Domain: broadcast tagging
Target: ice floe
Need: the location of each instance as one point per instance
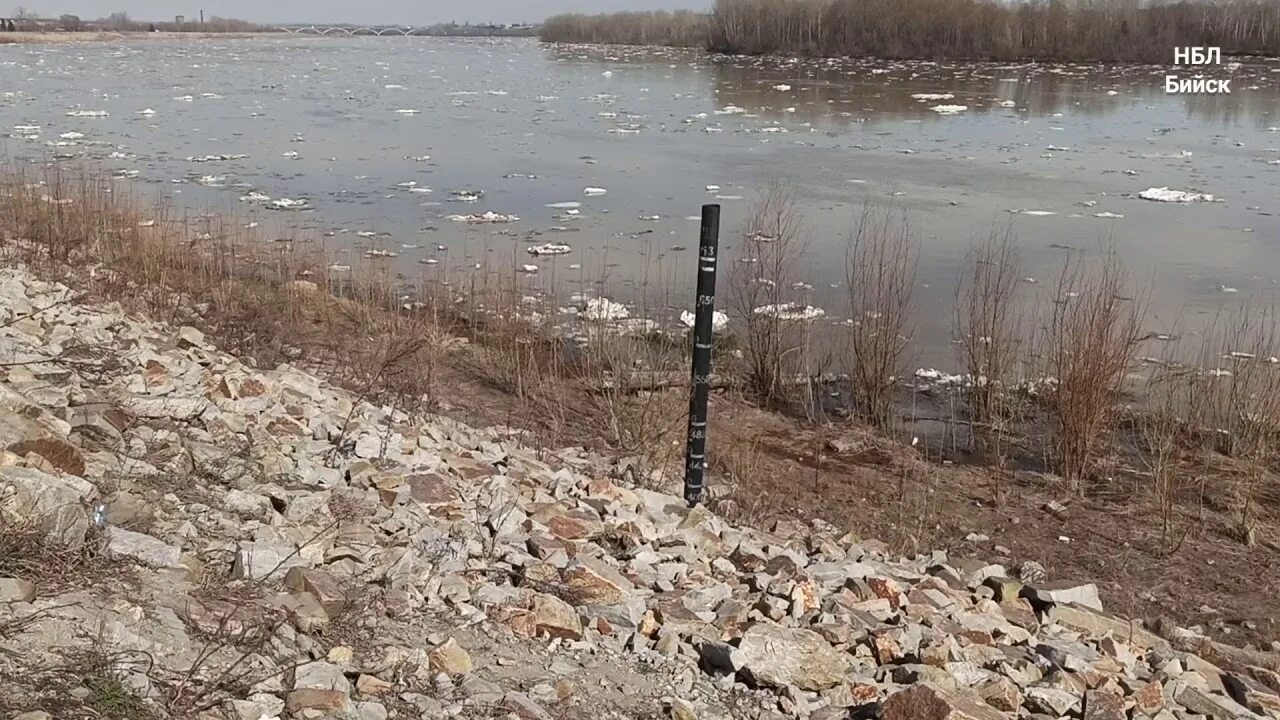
(549, 249)
(485, 218)
(791, 311)
(933, 96)
(593, 191)
(719, 320)
(1164, 194)
(949, 109)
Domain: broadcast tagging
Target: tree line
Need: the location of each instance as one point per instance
(682, 28)
(1120, 30)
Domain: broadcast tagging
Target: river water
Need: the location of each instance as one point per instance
(377, 134)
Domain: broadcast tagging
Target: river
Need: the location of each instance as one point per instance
(378, 134)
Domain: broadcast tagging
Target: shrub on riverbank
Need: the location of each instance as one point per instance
(1117, 30)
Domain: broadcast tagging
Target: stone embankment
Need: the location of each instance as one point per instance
(205, 538)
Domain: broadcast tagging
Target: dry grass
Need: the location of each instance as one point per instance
(266, 302)
(1091, 332)
(27, 552)
(881, 272)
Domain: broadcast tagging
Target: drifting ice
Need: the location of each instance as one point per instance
(1164, 194)
(791, 311)
(550, 249)
(488, 217)
(949, 109)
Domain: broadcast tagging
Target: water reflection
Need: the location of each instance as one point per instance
(838, 92)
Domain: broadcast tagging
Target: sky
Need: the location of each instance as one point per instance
(400, 12)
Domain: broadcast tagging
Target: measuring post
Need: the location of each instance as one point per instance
(695, 461)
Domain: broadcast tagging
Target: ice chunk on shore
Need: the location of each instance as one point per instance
(599, 309)
(932, 376)
(719, 320)
(487, 217)
(1164, 194)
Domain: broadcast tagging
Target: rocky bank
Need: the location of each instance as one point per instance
(217, 540)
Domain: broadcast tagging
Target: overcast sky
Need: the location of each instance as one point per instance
(410, 12)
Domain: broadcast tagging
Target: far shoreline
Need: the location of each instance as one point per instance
(62, 37)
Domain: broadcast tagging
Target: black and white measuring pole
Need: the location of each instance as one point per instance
(695, 461)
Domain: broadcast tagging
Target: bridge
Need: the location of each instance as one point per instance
(350, 31)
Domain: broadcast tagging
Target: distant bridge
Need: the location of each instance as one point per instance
(350, 30)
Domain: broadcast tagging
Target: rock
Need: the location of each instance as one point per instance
(928, 701)
(1083, 594)
(189, 337)
(250, 505)
(777, 657)
(1149, 698)
(1001, 693)
(1098, 624)
(1052, 700)
(524, 707)
(371, 685)
(1203, 702)
(681, 710)
(141, 548)
(314, 699)
(1260, 698)
(545, 614)
(320, 675)
(13, 590)
(450, 657)
(371, 711)
(1104, 705)
(321, 585)
(56, 505)
(66, 458)
(260, 560)
(589, 581)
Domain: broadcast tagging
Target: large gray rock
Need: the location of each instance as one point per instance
(1083, 594)
(775, 656)
(59, 505)
(261, 560)
(141, 548)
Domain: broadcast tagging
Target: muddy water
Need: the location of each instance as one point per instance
(377, 134)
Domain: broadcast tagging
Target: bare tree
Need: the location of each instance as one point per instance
(761, 293)
(987, 325)
(1091, 332)
(881, 272)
